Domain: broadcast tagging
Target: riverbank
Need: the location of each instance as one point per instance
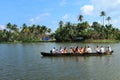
(29, 41)
(101, 41)
(85, 41)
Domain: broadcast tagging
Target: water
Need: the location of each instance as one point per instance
(24, 62)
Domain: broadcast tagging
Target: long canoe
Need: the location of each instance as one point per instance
(75, 54)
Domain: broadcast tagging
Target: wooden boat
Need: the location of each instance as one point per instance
(75, 54)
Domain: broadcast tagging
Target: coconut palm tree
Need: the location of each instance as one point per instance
(80, 18)
(95, 25)
(14, 28)
(24, 32)
(85, 25)
(102, 14)
(44, 30)
(61, 24)
(108, 19)
(49, 30)
(24, 28)
(9, 26)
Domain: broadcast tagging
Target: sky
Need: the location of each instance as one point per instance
(50, 12)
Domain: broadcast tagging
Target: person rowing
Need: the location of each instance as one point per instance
(54, 50)
(65, 50)
(61, 50)
(72, 50)
(109, 49)
(102, 50)
(81, 50)
(97, 49)
(88, 50)
(77, 50)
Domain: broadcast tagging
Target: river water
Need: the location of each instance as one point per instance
(23, 61)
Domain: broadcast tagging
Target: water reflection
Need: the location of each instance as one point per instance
(80, 67)
(79, 59)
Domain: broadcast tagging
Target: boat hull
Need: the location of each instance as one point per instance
(75, 54)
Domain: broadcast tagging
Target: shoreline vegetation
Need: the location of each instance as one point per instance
(102, 41)
(66, 32)
(85, 41)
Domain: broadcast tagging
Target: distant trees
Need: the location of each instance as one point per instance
(34, 32)
(65, 32)
(27, 33)
(69, 31)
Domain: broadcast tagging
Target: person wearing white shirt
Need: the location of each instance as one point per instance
(102, 50)
(97, 49)
(89, 50)
(109, 49)
(53, 50)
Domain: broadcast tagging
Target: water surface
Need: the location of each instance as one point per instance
(24, 62)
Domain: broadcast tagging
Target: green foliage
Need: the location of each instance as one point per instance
(96, 31)
(27, 33)
(65, 32)
(70, 32)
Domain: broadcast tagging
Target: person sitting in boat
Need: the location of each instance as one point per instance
(102, 50)
(81, 50)
(88, 50)
(54, 50)
(65, 50)
(61, 50)
(77, 50)
(108, 49)
(85, 50)
(72, 50)
(97, 49)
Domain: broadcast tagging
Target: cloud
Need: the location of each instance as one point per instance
(2, 27)
(63, 2)
(69, 17)
(106, 4)
(111, 7)
(39, 18)
(87, 9)
(66, 16)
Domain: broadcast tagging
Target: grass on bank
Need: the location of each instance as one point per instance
(101, 41)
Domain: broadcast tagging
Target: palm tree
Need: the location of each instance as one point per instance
(24, 32)
(95, 25)
(14, 28)
(44, 30)
(32, 31)
(102, 14)
(15, 31)
(85, 25)
(61, 24)
(48, 30)
(9, 26)
(80, 18)
(108, 19)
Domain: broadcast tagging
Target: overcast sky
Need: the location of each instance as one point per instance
(50, 12)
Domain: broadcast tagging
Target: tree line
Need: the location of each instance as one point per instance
(65, 32)
(25, 33)
(83, 30)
